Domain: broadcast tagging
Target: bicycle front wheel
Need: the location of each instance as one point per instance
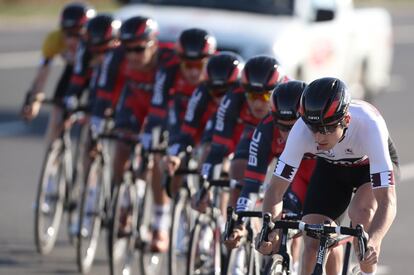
(122, 231)
(50, 199)
(90, 220)
(205, 248)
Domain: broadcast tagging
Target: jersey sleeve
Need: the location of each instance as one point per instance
(299, 142)
(376, 144)
(110, 83)
(53, 45)
(80, 75)
(196, 107)
(124, 115)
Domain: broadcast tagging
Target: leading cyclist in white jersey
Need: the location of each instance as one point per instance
(355, 154)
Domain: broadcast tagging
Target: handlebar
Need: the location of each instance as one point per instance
(236, 218)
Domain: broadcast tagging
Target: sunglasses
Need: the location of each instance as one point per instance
(282, 127)
(324, 129)
(192, 64)
(139, 48)
(253, 96)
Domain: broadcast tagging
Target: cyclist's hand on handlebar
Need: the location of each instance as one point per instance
(31, 106)
(171, 164)
(267, 248)
(371, 255)
(234, 240)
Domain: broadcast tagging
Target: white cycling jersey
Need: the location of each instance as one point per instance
(366, 139)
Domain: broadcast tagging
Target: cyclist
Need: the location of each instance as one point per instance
(272, 132)
(63, 42)
(239, 113)
(354, 151)
(222, 73)
(173, 87)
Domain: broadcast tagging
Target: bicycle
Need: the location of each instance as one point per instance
(131, 201)
(245, 259)
(57, 190)
(95, 202)
(323, 232)
(206, 254)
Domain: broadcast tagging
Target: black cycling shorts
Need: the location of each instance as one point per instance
(63, 83)
(331, 186)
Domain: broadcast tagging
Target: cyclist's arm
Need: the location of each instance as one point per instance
(299, 142)
(110, 83)
(382, 179)
(260, 156)
(80, 75)
(196, 108)
(223, 137)
(124, 115)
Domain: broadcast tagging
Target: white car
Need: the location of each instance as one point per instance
(310, 38)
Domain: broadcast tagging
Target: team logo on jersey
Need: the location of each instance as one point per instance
(254, 148)
(349, 151)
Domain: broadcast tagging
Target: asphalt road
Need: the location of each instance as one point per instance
(22, 148)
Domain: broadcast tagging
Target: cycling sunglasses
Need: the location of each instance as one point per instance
(324, 129)
(139, 48)
(265, 96)
(283, 127)
(193, 64)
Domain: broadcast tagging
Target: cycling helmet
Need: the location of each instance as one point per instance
(223, 70)
(196, 44)
(285, 100)
(261, 73)
(324, 101)
(137, 28)
(75, 15)
(101, 29)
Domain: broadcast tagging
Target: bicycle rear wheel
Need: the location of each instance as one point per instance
(50, 199)
(205, 248)
(122, 232)
(180, 232)
(90, 220)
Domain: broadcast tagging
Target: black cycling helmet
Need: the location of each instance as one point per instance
(196, 44)
(223, 70)
(261, 73)
(285, 100)
(75, 15)
(324, 101)
(101, 29)
(137, 28)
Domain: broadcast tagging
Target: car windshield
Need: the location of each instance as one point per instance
(271, 7)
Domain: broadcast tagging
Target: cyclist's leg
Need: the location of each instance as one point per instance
(327, 197)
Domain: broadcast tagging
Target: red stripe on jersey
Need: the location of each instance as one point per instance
(188, 129)
(254, 175)
(224, 141)
(158, 112)
(78, 80)
(102, 94)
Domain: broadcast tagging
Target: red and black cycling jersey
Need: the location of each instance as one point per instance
(201, 107)
(82, 71)
(265, 137)
(169, 102)
(234, 126)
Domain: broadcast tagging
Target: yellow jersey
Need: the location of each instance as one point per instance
(54, 44)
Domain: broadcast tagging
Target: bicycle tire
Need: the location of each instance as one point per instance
(76, 184)
(149, 262)
(122, 247)
(196, 260)
(180, 231)
(275, 266)
(45, 238)
(86, 249)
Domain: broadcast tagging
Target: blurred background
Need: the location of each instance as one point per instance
(23, 25)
